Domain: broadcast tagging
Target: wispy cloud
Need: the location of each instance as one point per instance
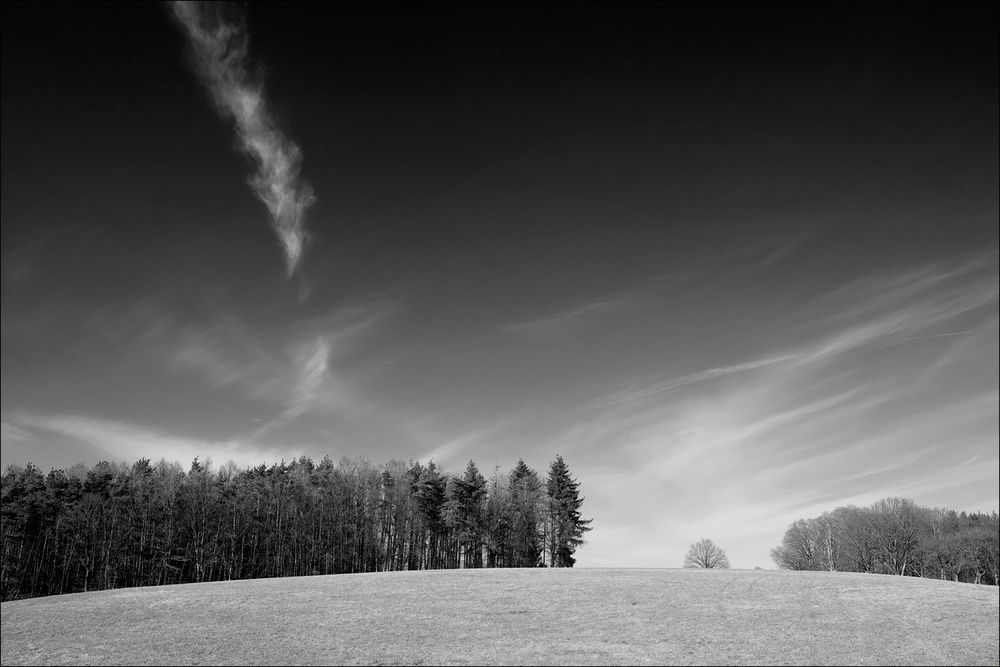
(226, 355)
(21, 262)
(922, 303)
(310, 372)
(763, 251)
(781, 248)
(312, 368)
(123, 441)
(875, 313)
(238, 376)
(731, 467)
(219, 48)
(450, 454)
(940, 281)
(652, 390)
(562, 320)
(649, 293)
(848, 415)
(300, 373)
(10, 431)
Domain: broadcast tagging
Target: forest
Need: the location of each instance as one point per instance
(896, 536)
(116, 525)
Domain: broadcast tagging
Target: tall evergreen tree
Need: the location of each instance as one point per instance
(471, 497)
(566, 524)
(526, 501)
(430, 492)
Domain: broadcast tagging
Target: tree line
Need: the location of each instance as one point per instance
(116, 525)
(896, 536)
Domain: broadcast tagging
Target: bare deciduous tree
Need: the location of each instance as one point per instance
(706, 554)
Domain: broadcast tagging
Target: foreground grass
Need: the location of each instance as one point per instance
(584, 616)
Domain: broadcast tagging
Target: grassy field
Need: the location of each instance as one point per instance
(571, 617)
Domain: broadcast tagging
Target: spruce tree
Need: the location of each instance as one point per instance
(430, 494)
(526, 508)
(471, 496)
(566, 525)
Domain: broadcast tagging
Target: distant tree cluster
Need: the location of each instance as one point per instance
(896, 536)
(115, 525)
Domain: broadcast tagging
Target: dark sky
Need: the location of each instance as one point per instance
(744, 248)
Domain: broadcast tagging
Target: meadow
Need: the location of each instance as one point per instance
(517, 616)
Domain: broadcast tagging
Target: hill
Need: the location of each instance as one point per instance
(538, 616)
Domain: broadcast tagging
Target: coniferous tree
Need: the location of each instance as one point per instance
(470, 492)
(115, 525)
(526, 503)
(431, 495)
(566, 523)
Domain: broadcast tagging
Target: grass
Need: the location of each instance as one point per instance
(571, 617)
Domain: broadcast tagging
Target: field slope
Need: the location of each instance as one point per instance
(582, 616)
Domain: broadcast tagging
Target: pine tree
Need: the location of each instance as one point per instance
(471, 496)
(431, 495)
(566, 525)
(526, 502)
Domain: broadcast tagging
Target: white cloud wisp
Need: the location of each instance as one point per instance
(220, 53)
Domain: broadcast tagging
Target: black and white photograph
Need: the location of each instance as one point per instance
(500, 333)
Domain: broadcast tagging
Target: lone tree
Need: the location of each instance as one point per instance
(706, 555)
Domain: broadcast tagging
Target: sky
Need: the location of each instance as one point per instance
(736, 263)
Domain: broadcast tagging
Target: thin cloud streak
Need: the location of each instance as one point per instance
(123, 441)
(887, 323)
(220, 54)
(634, 394)
(565, 321)
(763, 252)
(300, 375)
(311, 374)
(562, 319)
(650, 293)
(940, 335)
(10, 431)
(447, 454)
(900, 309)
(875, 293)
(309, 377)
(810, 427)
